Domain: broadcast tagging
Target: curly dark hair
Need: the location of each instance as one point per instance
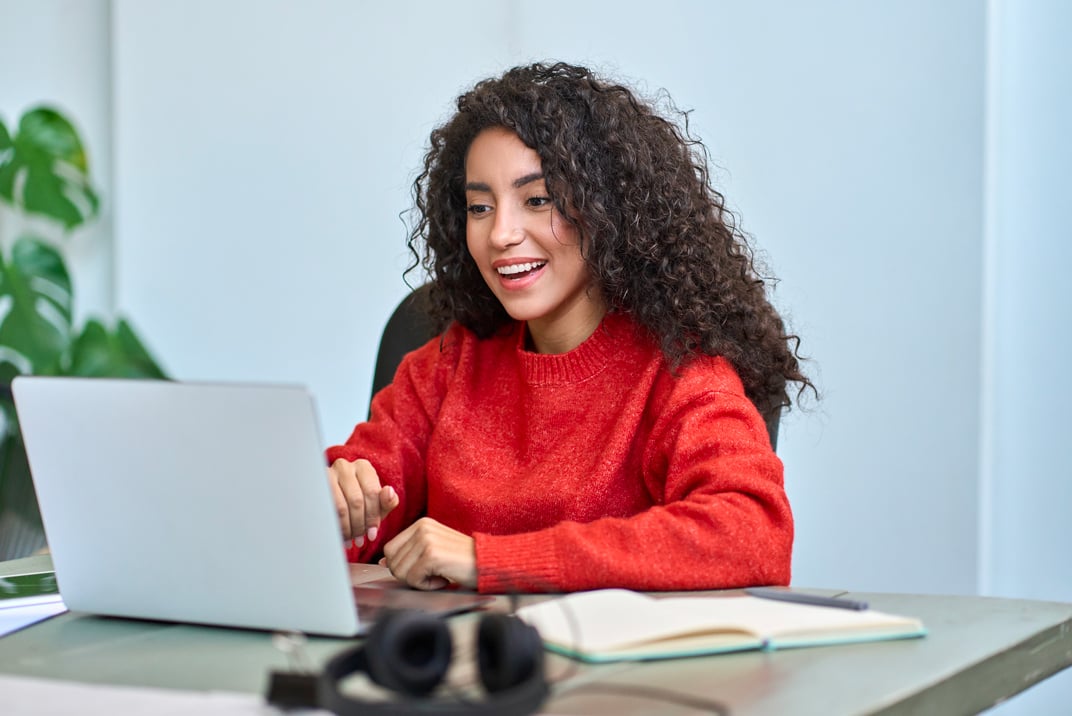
(657, 237)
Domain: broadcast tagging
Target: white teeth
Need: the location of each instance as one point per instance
(519, 268)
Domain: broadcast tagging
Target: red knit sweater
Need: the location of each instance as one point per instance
(594, 468)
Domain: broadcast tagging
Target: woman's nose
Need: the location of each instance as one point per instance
(506, 229)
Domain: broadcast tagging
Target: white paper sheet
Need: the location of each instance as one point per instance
(25, 696)
(24, 611)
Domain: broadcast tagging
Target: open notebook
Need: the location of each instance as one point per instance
(621, 625)
(196, 502)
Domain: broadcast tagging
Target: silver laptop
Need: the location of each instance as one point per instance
(196, 502)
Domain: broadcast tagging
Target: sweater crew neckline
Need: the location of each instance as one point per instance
(592, 356)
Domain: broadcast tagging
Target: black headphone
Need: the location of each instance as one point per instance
(409, 652)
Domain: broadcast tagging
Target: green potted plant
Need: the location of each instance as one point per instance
(44, 174)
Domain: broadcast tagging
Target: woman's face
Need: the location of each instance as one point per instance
(528, 254)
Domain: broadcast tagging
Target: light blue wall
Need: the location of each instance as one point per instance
(260, 177)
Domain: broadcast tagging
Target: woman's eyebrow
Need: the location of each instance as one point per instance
(516, 183)
(527, 179)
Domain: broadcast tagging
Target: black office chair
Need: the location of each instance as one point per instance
(771, 419)
(409, 328)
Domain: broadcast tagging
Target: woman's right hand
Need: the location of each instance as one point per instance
(360, 501)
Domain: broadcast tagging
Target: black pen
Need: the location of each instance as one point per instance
(801, 598)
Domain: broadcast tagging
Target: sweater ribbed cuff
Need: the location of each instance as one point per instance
(523, 562)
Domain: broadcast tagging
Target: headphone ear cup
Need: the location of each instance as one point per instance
(509, 652)
(408, 652)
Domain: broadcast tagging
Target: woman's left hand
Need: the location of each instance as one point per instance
(430, 555)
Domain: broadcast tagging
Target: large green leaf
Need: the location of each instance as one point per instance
(98, 352)
(35, 310)
(7, 164)
(43, 168)
(44, 171)
(6, 148)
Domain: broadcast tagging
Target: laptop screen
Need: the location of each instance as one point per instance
(195, 502)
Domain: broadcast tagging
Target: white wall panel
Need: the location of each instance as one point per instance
(1026, 465)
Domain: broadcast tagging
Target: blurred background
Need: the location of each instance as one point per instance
(900, 164)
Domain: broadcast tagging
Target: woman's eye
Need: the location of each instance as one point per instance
(478, 209)
(538, 201)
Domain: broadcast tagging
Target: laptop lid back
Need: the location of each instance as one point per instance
(193, 502)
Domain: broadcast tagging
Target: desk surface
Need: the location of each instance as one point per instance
(979, 651)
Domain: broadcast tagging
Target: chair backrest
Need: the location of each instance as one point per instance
(409, 328)
(771, 419)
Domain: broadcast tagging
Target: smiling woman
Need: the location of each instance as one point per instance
(528, 254)
(590, 413)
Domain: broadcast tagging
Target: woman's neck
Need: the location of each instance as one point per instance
(563, 333)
